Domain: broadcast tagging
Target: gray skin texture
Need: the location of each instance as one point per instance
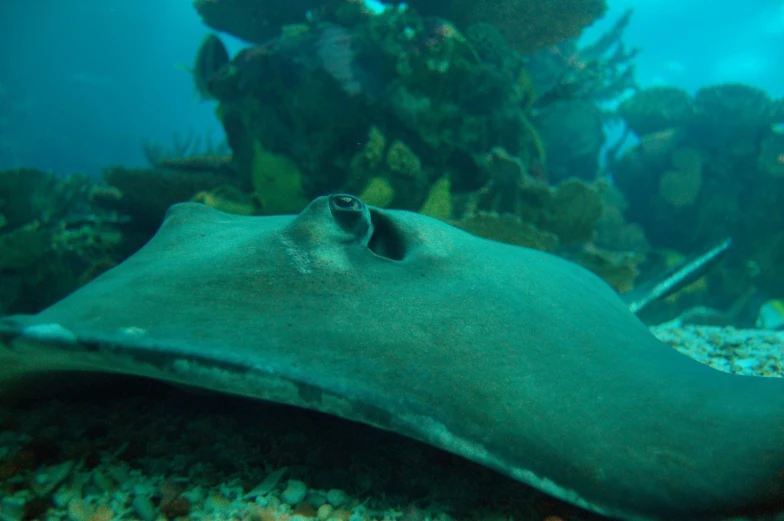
(513, 358)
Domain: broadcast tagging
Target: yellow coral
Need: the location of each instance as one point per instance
(378, 192)
(366, 167)
(439, 201)
(226, 199)
(277, 182)
(402, 160)
(373, 151)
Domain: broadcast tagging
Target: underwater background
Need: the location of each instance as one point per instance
(640, 139)
(638, 134)
(115, 62)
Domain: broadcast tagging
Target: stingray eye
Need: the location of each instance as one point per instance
(352, 215)
(346, 203)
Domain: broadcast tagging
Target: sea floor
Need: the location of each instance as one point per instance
(136, 449)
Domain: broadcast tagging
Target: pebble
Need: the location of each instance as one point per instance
(316, 499)
(741, 351)
(12, 508)
(295, 492)
(144, 508)
(324, 511)
(337, 498)
(269, 483)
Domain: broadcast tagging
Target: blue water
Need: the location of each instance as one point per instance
(83, 82)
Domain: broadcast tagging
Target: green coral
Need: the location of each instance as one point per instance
(277, 182)
(733, 115)
(657, 108)
(373, 152)
(403, 161)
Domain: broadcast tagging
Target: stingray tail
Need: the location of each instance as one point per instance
(675, 279)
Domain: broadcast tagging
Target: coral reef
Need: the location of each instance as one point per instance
(52, 238)
(526, 24)
(709, 166)
(600, 71)
(404, 108)
(570, 210)
(386, 105)
(390, 104)
(399, 101)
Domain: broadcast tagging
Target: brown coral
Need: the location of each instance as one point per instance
(619, 269)
(570, 210)
(507, 228)
(527, 25)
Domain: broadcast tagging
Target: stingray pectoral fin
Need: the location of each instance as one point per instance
(706, 447)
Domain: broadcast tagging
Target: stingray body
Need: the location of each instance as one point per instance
(510, 357)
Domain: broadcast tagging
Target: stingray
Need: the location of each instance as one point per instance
(510, 357)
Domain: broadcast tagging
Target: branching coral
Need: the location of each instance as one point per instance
(600, 71)
(184, 147)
